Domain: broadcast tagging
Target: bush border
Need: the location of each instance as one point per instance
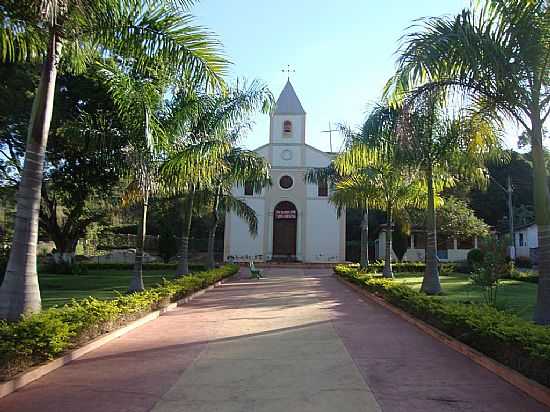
(36, 372)
(532, 388)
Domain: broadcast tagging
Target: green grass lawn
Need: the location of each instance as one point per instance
(513, 296)
(101, 284)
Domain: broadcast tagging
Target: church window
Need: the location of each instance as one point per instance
(286, 182)
(322, 188)
(248, 189)
(287, 127)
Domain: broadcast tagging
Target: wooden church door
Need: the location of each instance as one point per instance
(285, 218)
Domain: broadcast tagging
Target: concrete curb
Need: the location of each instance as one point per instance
(534, 389)
(37, 372)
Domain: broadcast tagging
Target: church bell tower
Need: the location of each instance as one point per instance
(288, 119)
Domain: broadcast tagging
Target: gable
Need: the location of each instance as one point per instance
(316, 158)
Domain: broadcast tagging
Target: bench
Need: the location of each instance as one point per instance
(254, 273)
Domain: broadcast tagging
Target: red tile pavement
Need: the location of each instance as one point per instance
(410, 371)
(405, 369)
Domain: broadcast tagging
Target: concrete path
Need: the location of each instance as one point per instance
(296, 341)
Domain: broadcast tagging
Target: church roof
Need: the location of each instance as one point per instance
(288, 102)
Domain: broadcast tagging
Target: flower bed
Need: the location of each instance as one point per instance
(512, 341)
(43, 336)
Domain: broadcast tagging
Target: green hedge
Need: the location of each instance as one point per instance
(42, 336)
(411, 267)
(83, 268)
(146, 266)
(523, 277)
(514, 342)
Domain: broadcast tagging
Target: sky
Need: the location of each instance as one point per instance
(343, 52)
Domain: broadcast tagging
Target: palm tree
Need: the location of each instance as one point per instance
(139, 100)
(77, 32)
(497, 56)
(443, 148)
(205, 126)
(242, 167)
(376, 175)
(330, 175)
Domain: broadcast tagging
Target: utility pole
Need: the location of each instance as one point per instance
(364, 254)
(509, 190)
(511, 219)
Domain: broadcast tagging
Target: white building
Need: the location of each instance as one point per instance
(527, 241)
(296, 222)
(449, 249)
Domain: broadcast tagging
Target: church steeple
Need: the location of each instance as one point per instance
(288, 118)
(288, 102)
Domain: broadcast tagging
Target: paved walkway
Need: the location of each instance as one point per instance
(296, 341)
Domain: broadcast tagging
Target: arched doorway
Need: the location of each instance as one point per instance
(285, 217)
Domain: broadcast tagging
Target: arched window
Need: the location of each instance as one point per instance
(287, 127)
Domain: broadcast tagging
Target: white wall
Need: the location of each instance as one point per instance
(241, 244)
(530, 240)
(322, 232)
(316, 158)
(287, 156)
(414, 255)
(298, 129)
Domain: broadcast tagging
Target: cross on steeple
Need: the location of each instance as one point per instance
(329, 131)
(288, 70)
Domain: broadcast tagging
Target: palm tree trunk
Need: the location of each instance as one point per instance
(542, 218)
(364, 259)
(212, 232)
(20, 292)
(136, 285)
(183, 255)
(430, 282)
(388, 271)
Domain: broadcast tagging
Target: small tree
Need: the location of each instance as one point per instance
(400, 241)
(493, 267)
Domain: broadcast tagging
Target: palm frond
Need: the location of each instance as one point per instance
(241, 209)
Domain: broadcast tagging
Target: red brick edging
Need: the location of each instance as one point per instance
(534, 389)
(24, 378)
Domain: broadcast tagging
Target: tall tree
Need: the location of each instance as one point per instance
(329, 175)
(444, 148)
(242, 167)
(139, 98)
(376, 175)
(83, 153)
(205, 125)
(497, 55)
(75, 32)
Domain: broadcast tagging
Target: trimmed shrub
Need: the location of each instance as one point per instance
(474, 257)
(410, 267)
(523, 277)
(43, 336)
(523, 262)
(63, 268)
(378, 267)
(85, 267)
(514, 342)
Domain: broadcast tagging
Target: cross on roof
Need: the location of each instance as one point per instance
(288, 70)
(329, 131)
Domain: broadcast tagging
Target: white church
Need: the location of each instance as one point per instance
(296, 222)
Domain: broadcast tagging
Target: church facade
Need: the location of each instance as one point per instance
(296, 222)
